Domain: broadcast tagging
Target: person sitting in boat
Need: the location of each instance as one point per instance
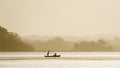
(55, 54)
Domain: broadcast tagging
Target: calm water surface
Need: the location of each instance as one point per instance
(58, 62)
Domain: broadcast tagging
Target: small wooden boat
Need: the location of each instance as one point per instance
(55, 55)
(52, 56)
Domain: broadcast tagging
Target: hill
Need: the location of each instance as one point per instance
(11, 42)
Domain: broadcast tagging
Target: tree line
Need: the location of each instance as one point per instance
(11, 42)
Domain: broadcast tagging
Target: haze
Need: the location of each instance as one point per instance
(61, 17)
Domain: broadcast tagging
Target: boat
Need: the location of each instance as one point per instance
(55, 55)
(52, 56)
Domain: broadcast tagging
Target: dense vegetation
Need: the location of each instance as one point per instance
(11, 42)
(90, 46)
(59, 44)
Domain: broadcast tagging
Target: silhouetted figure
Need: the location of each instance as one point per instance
(55, 54)
(48, 53)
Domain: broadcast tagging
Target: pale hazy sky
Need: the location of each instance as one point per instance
(61, 17)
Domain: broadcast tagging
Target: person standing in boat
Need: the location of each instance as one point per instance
(48, 53)
(55, 54)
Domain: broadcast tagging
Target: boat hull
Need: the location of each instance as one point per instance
(52, 56)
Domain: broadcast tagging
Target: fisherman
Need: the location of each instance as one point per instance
(55, 54)
(48, 53)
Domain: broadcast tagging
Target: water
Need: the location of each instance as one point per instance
(74, 60)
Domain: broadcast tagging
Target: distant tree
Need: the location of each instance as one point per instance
(101, 41)
(92, 46)
(10, 41)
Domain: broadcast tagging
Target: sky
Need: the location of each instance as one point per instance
(61, 17)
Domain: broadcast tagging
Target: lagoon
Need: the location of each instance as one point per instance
(67, 60)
